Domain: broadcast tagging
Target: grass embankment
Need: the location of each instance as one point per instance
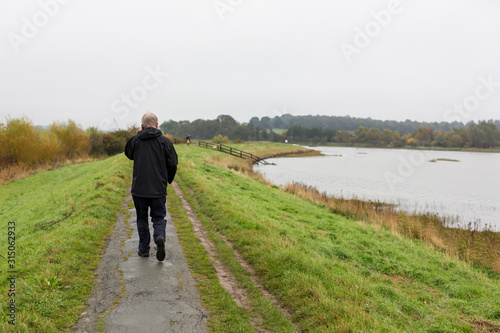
(481, 248)
(332, 274)
(62, 218)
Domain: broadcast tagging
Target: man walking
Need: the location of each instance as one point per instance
(155, 165)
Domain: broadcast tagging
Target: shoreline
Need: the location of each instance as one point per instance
(422, 148)
(450, 213)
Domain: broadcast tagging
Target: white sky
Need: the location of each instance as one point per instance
(264, 58)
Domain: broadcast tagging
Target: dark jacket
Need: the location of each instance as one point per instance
(155, 163)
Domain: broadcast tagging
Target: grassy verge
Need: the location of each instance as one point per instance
(333, 274)
(225, 315)
(61, 220)
(262, 312)
(13, 172)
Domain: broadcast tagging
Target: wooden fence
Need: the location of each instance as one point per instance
(234, 152)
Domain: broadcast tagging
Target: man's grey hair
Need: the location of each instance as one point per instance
(149, 120)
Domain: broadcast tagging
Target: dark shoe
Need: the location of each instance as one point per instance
(143, 254)
(160, 251)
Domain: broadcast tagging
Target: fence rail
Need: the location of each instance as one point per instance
(234, 152)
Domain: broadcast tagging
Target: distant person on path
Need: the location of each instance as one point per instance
(155, 165)
(188, 139)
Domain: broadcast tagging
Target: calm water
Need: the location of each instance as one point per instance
(466, 190)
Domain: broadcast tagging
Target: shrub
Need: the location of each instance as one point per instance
(175, 139)
(51, 149)
(171, 137)
(223, 139)
(74, 140)
(22, 143)
(96, 141)
(114, 142)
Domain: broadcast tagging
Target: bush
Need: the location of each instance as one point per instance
(114, 142)
(223, 139)
(51, 148)
(96, 141)
(24, 144)
(74, 140)
(172, 138)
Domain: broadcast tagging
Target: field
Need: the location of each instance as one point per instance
(300, 265)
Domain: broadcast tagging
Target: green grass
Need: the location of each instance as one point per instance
(265, 149)
(331, 273)
(279, 130)
(62, 218)
(226, 316)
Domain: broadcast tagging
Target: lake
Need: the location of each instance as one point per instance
(463, 187)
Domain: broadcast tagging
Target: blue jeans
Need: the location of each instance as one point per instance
(158, 210)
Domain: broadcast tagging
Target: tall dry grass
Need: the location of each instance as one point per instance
(471, 245)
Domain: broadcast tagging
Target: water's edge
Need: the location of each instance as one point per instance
(458, 186)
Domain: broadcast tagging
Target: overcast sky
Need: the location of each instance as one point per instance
(105, 63)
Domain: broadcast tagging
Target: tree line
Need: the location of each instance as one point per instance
(224, 125)
(482, 135)
(317, 130)
(348, 123)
